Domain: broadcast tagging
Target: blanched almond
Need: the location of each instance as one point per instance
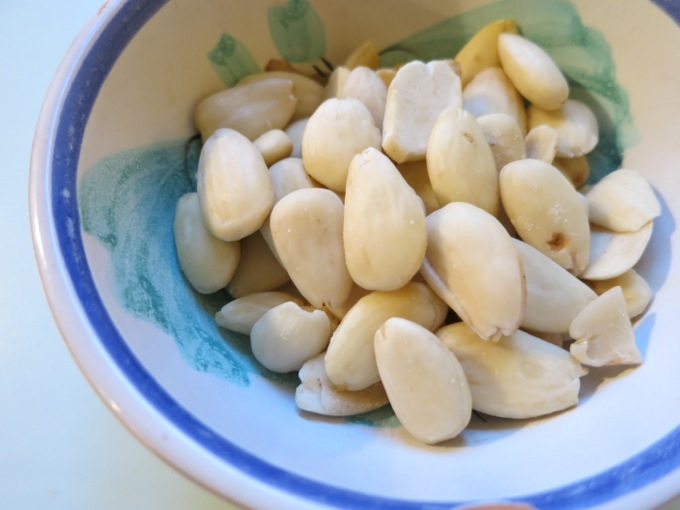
(636, 290)
(577, 169)
(424, 381)
(233, 184)
(350, 358)
(384, 230)
(208, 263)
(603, 332)
(366, 54)
(337, 131)
(541, 143)
(240, 314)
(335, 83)
(614, 253)
(306, 90)
(460, 163)
(532, 71)
(473, 265)
(575, 125)
(274, 145)
(249, 109)
(622, 201)
(415, 174)
(554, 296)
(289, 175)
(492, 92)
(547, 212)
(317, 394)
(520, 376)
(286, 336)
(504, 137)
(365, 85)
(306, 227)
(258, 269)
(481, 50)
(417, 95)
(295, 130)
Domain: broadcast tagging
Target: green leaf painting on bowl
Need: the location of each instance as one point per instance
(127, 201)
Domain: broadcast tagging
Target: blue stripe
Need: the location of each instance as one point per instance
(646, 467)
(671, 7)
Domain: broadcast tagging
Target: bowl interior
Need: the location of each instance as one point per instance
(125, 151)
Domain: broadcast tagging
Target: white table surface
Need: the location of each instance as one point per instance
(60, 447)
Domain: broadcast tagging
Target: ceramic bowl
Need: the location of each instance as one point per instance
(115, 148)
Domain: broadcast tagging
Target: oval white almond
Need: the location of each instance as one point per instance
(520, 376)
(208, 263)
(306, 90)
(532, 71)
(350, 358)
(365, 85)
(504, 137)
(423, 380)
(547, 212)
(472, 264)
(554, 295)
(622, 201)
(460, 163)
(258, 269)
(614, 253)
(233, 185)
(306, 227)
(384, 229)
(286, 336)
(337, 131)
(240, 314)
(251, 109)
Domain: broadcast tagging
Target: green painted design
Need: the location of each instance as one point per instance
(297, 31)
(581, 52)
(135, 225)
(232, 60)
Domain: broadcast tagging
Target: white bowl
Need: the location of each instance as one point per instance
(109, 164)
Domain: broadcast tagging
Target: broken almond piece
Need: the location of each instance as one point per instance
(636, 290)
(317, 394)
(416, 96)
(603, 332)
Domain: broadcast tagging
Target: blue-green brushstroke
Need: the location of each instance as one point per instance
(127, 201)
(232, 60)
(297, 31)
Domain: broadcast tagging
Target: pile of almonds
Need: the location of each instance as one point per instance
(349, 218)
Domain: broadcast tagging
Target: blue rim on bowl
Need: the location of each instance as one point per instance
(63, 265)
